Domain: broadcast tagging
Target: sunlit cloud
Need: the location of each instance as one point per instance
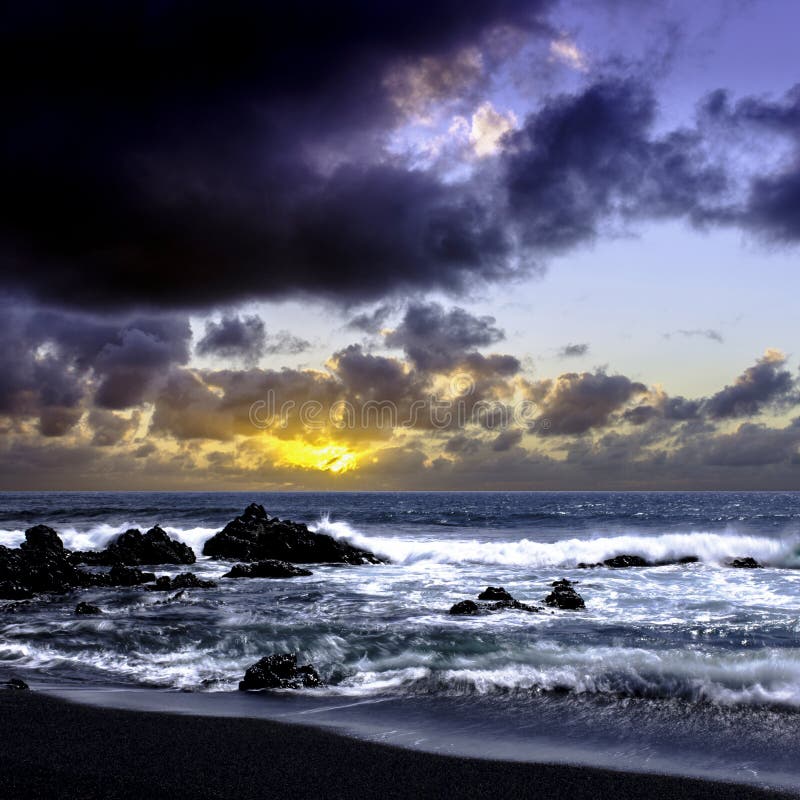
(567, 52)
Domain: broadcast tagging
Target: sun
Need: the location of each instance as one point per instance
(333, 458)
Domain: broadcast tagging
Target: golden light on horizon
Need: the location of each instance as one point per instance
(334, 458)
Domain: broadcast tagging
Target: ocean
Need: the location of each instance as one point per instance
(687, 668)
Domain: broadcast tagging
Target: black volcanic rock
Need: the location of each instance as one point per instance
(624, 561)
(39, 564)
(279, 671)
(88, 609)
(254, 536)
(502, 605)
(267, 569)
(133, 548)
(186, 580)
(11, 590)
(746, 563)
(494, 593)
(564, 596)
(466, 608)
(126, 576)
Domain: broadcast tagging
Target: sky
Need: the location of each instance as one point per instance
(474, 245)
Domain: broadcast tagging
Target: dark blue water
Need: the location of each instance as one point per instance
(689, 668)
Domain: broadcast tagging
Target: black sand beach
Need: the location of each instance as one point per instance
(55, 749)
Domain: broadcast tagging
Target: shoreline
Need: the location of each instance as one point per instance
(56, 748)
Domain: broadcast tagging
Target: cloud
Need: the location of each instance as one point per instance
(372, 321)
(705, 333)
(567, 52)
(763, 384)
(436, 339)
(231, 154)
(574, 350)
(574, 403)
(589, 157)
(287, 343)
(488, 128)
(234, 337)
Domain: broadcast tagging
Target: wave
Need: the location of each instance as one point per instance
(711, 548)
(100, 536)
(769, 678)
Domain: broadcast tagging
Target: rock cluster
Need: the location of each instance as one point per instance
(134, 548)
(502, 600)
(279, 671)
(564, 596)
(624, 561)
(255, 536)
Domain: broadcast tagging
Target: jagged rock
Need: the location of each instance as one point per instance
(88, 609)
(279, 671)
(564, 596)
(16, 684)
(746, 563)
(494, 593)
(133, 548)
(186, 580)
(465, 608)
(39, 564)
(254, 536)
(267, 569)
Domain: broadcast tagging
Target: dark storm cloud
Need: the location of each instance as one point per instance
(575, 402)
(505, 440)
(754, 445)
(53, 361)
(190, 155)
(772, 205)
(766, 383)
(234, 337)
(574, 350)
(436, 339)
(371, 321)
(585, 157)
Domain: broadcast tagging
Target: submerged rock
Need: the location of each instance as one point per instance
(515, 605)
(185, 580)
(267, 569)
(279, 671)
(564, 596)
(133, 548)
(465, 608)
(11, 590)
(623, 561)
(494, 593)
(254, 536)
(87, 608)
(746, 563)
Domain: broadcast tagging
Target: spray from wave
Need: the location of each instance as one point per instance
(710, 548)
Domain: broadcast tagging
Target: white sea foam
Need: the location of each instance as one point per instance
(711, 548)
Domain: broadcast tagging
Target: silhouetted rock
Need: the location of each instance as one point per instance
(465, 608)
(513, 604)
(15, 683)
(39, 564)
(88, 609)
(746, 563)
(623, 561)
(564, 596)
(254, 536)
(11, 590)
(267, 569)
(133, 548)
(279, 671)
(494, 593)
(126, 576)
(186, 580)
